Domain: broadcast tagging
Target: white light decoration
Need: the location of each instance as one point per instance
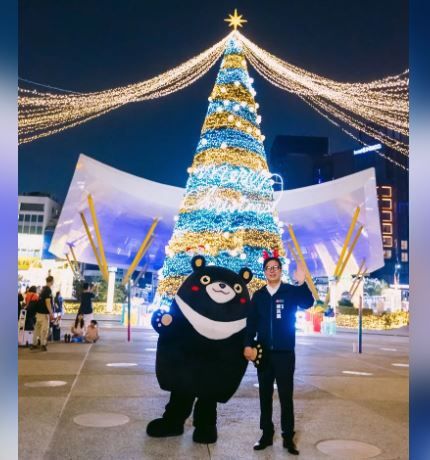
(379, 108)
(219, 109)
(226, 235)
(230, 118)
(223, 145)
(243, 256)
(243, 104)
(258, 118)
(204, 141)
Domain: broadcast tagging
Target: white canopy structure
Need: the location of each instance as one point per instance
(126, 206)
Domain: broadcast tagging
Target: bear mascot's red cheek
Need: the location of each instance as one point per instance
(242, 300)
(195, 288)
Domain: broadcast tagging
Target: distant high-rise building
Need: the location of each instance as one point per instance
(299, 160)
(37, 215)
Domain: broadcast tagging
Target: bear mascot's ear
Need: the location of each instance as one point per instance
(198, 262)
(246, 275)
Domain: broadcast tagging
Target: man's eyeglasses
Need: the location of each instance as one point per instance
(273, 268)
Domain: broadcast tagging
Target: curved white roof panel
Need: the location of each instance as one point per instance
(127, 204)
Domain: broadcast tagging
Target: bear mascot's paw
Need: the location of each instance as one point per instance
(205, 435)
(161, 428)
(161, 320)
(259, 357)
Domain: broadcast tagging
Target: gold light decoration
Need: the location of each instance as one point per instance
(215, 242)
(228, 120)
(235, 20)
(231, 155)
(378, 108)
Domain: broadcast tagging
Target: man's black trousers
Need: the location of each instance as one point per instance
(279, 366)
(180, 405)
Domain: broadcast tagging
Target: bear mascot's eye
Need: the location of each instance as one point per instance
(238, 288)
(205, 279)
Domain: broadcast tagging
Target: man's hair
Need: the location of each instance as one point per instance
(93, 321)
(269, 259)
(85, 286)
(49, 279)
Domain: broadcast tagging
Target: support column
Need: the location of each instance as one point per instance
(110, 289)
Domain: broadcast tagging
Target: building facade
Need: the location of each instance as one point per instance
(37, 214)
(306, 160)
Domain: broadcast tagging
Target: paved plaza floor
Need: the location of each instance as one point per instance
(100, 398)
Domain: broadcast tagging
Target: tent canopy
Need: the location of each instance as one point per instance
(126, 206)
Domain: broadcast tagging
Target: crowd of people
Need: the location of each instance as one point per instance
(44, 312)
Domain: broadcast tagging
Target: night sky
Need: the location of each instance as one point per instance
(95, 45)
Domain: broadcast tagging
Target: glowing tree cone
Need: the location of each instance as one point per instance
(228, 211)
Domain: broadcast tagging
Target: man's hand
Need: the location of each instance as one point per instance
(300, 274)
(249, 353)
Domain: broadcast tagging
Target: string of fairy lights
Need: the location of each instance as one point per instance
(44, 113)
(367, 107)
(379, 108)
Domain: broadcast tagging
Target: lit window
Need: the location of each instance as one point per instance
(387, 229)
(404, 245)
(387, 215)
(386, 203)
(387, 241)
(388, 254)
(405, 257)
(385, 191)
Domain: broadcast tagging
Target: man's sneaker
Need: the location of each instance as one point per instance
(44, 348)
(33, 347)
(265, 441)
(290, 445)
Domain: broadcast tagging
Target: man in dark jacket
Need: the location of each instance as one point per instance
(272, 320)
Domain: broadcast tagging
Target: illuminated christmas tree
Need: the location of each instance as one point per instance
(228, 211)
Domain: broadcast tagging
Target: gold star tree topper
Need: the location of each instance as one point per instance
(235, 20)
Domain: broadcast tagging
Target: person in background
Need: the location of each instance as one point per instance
(78, 329)
(86, 307)
(272, 319)
(58, 304)
(43, 315)
(20, 301)
(92, 334)
(31, 300)
(30, 295)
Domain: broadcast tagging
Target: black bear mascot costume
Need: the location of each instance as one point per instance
(200, 348)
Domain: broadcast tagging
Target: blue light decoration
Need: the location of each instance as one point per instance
(228, 207)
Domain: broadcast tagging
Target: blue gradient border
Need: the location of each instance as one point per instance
(9, 237)
(419, 421)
